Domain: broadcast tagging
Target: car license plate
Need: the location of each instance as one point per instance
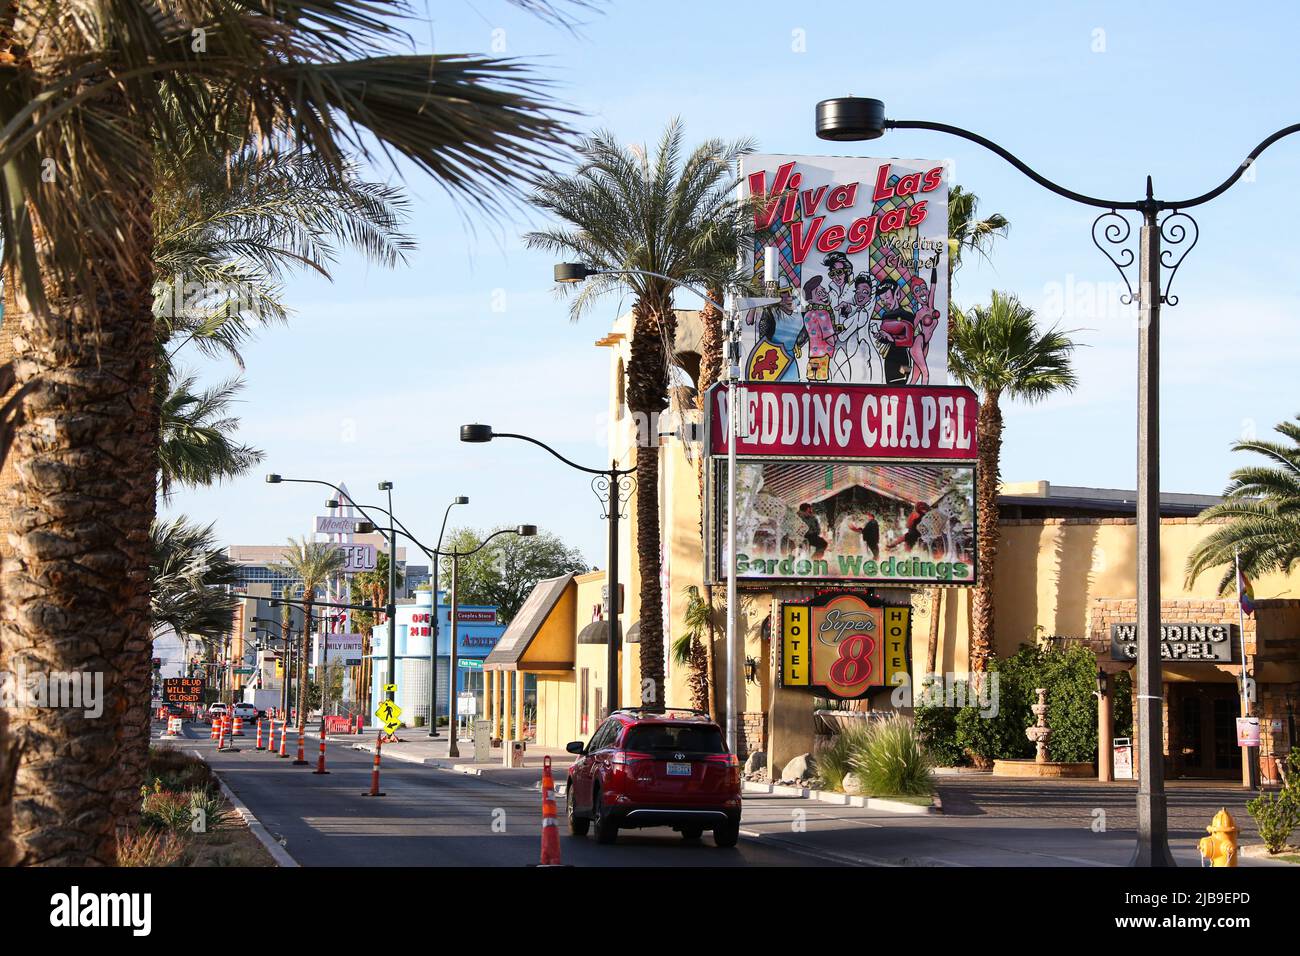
(679, 770)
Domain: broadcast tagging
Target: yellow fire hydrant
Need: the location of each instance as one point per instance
(1220, 847)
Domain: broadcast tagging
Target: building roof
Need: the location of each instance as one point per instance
(1042, 499)
(528, 622)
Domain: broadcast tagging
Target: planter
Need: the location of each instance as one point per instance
(1050, 769)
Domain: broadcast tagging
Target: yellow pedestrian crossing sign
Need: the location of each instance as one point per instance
(388, 714)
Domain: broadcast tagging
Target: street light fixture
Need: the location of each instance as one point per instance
(854, 118)
(391, 605)
(616, 485)
(524, 531)
(433, 642)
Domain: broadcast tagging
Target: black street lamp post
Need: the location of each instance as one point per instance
(855, 118)
(524, 531)
(615, 485)
(433, 624)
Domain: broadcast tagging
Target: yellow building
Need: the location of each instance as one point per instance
(1064, 571)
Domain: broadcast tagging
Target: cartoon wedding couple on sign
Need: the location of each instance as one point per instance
(875, 326)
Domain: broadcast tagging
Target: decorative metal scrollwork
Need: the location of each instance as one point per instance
(626, 485)
(1178, 232)
(1110, 231)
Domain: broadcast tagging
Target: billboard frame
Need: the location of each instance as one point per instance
(715, 489)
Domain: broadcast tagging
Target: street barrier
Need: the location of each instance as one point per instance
(216, 730)
(239, 727)
(359, 718)
(173, 727)
(320, 756)
(374, 771)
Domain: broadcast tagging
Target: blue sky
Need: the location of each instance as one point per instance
(377, 369)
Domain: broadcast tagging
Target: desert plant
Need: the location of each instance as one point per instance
(150, 847)
(835, 762)
(894, 763)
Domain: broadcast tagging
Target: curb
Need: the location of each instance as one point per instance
(255, 826)
(845, 800)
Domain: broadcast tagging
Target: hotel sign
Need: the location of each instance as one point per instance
(844, 645)
(1178, 642)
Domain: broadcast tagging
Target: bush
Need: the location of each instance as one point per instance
(893, 762)
(937, 728)
(832, 764)
(1278, 814)
(150, 848)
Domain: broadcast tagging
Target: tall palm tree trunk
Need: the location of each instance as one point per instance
(302, 661)
(75, 570)
(653, 328)
(710, 373)
(989, 431)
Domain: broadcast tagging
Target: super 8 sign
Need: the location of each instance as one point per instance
(843, 645)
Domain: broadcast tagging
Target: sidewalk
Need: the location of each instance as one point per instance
(415, 746)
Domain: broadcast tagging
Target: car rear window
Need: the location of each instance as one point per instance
(687, 738)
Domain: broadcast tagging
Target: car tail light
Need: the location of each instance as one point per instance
(627, 758)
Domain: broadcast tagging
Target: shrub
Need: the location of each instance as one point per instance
(835, 762)
(893, 762)
(1276, 815)
(150, 848)
(165, 811)
(937, 728)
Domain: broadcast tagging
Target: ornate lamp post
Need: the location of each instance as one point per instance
(852, 119)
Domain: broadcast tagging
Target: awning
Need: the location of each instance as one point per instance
(526, 626)
(597, 632)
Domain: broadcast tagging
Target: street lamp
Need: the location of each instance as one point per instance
(616, 485)
(524, 531)
(391, 606)
(433, 644)
(853, 118)
(572, 272)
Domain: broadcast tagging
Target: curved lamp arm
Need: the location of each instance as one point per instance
(571, 464)
(1060, 190)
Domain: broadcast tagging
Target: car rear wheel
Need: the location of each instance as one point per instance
(606, 828)
(727, 835)
(578, 826)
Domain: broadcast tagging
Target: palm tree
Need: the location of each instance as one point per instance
(689, 647)
(311, 564)
(623, 210)
(196, 447)
(92, 92)
(966, 233)
(188, 579)
(1259, 520)
(999, 351)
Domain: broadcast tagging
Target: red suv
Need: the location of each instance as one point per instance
(651, 769)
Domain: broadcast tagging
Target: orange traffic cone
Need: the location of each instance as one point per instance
(259, 746)
(302, 756)
(550, 832)
(320, 757)
(548, 781)
(374, 769)
(216, 729)
(284, 736)
(239, 727)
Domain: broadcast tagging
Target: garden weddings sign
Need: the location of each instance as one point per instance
(861, 255)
